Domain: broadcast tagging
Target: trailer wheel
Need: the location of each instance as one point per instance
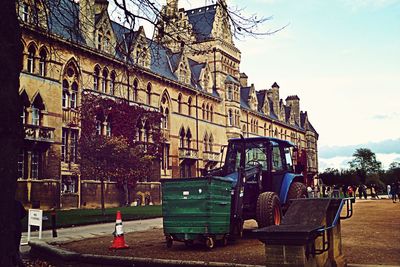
(210, 242)
(169, 241)
(297, 190)
(268, 210)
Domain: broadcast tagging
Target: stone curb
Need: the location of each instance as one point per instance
(45, 249)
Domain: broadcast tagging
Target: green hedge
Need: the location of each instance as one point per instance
(68, 218)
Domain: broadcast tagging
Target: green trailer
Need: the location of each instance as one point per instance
(196, 209)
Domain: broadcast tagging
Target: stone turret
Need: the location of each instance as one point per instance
(172, 8)
(293, 102)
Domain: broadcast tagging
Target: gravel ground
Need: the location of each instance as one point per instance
(371, 236)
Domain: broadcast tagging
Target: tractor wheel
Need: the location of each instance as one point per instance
(268, 210)
(297, 190)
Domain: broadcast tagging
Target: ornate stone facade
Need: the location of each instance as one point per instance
(189, 71)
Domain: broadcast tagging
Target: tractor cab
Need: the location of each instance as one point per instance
(274, 160)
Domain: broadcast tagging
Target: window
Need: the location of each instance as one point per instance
(31, 59)
(73, 145)
(230, 118)
(108, 128)
(165, 119)
(21, 168)
(165, 157)
(35, 116)
(42, 62)
(104, 81)
(23, 115)
(25, 12)
(230, 92)
(64, 141)
(135, 90)
(112, 83)
(96, 78)
(182, 138)
(74, 95)
(98, 127)
(203, 108)
(99, 41)
(211, 113)
(179, 103)
(205, 140)
(277, 163)
(188, 138)
(65, 94)
(190, 106)
(288, 157)
(148, 94)
(35, 165)
(210, 143)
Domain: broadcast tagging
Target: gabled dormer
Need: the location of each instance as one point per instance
(105, 39)
(263, 102)
(140, 51)
(252, 100)
(180, 67)
(206, 81)
(34, 13)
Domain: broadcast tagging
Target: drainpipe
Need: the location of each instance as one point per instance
(247, 123)
(197, 135)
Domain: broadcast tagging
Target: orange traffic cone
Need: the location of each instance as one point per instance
(119, 240)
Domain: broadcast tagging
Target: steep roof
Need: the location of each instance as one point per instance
(202, 20)
(63, 20)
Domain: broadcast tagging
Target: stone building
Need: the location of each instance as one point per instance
(189, 71)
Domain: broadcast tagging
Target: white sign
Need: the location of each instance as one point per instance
(35, 218)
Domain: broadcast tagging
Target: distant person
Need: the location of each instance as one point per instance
(20, 213)
(350, 191)
(309, 191)
(388, 188)
(374, 193)
(393, 192)
(344, 190)
(336, 191)
(323, 191)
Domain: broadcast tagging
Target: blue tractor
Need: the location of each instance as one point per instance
(263, 180)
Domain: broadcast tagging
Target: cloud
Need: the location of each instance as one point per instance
(342, 162)
(376, 4)
(389, 116)
(384, 147)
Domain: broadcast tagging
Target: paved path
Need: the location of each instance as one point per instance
(88, 231)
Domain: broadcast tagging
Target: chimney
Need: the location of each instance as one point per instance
(274, 93)
(243, 79)
(293, 102)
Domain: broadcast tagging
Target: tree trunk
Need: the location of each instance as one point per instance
(103, 209)
(11, 129)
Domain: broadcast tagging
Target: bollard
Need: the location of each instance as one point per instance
(53, 222)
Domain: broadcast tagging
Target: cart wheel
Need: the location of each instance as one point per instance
(224, 241)
(188, 243)
(210, 242)
(169, 241)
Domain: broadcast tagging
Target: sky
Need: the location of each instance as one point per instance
(342, 58)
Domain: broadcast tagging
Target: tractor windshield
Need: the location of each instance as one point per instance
(256, 154)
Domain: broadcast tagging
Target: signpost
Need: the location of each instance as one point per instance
(35, 218)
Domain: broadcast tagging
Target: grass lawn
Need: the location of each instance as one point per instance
(67, 218)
